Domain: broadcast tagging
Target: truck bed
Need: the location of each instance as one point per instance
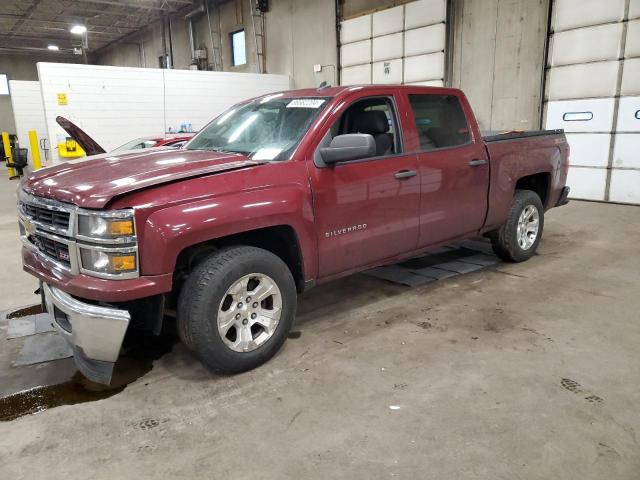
(489, 137)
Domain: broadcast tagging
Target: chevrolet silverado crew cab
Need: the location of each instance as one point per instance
(273, 196)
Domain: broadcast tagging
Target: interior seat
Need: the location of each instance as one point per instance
(375, 123)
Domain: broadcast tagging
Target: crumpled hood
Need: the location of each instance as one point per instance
(94, 182)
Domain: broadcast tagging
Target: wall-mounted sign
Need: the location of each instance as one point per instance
(62, 99)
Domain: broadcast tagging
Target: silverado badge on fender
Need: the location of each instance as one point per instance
(342, 231)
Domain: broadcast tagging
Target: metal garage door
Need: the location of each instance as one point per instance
(593, 92)
(404, 44)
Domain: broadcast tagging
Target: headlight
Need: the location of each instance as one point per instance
(107, 244)
(107, 262)
(106, 227)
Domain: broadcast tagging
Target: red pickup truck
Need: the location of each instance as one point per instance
(276, 194)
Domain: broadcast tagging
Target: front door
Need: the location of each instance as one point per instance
(366, 210)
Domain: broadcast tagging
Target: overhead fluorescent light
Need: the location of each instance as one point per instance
(55, 48)
(78, 29)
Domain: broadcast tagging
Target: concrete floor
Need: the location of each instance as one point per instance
(461, 378)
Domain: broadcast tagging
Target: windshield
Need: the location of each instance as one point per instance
(136, 144)
(265, 129)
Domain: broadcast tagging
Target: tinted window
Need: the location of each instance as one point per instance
(440, 121)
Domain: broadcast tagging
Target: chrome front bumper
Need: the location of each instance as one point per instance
(95, 333)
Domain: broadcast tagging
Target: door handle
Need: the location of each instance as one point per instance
(477, 162)
(404, 174)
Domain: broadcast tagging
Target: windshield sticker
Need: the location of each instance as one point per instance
(305, 103)
(266, 154)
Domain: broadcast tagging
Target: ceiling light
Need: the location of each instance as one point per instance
(53, 47)
(78, 29)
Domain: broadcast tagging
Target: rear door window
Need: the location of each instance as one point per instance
(440, 121)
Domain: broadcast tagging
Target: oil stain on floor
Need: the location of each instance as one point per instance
(141, 350)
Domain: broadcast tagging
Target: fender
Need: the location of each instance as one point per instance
(170, 230)
(510, 163)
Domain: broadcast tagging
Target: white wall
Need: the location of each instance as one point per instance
(28, 112)
(198, 96)
(117, 104)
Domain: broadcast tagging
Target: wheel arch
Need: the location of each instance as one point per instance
(538, 183)
(281, 240)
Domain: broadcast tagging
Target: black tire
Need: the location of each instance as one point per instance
(505, 239)
(203, 293)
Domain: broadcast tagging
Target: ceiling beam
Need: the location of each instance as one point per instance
(67, 25)
(131, 6)
(27, 13)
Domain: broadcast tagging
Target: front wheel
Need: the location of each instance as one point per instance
(517, 240)
(236, 308)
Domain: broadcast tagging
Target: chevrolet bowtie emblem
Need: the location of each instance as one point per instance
(29, 226)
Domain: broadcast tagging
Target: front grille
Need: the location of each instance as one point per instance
(47, 217)
(53, 249)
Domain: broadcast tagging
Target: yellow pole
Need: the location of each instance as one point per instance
(35, 150)
(7, 153)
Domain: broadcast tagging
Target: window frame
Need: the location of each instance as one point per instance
(399, 136)
(414, 125)
(233, 48)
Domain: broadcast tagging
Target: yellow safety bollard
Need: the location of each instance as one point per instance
(35, 150)
(7, 152)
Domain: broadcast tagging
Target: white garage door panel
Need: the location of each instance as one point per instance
(585, 80)
(632, 47)
(589, 44)
(588, 115)
(424, 12)
(388, 71)
(388, 21)
(355, 29)
(356, 75)
(589, 149)
(631, 77)
(356, 53)
(587, 183)
(580, 13)
(629, 115)
(634, 9)
(626, 152)
(28, 112)
(389, 46)
(424, 67)
(625, 186)
(430, 83)
(425, 40)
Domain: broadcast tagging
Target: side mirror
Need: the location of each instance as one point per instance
(350, 146)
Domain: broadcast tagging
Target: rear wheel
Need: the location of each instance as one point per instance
(517, 240)
(236, 308)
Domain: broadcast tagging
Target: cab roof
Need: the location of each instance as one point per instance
(338, 90)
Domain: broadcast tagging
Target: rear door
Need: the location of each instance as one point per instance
(454, 169)
(366, 210)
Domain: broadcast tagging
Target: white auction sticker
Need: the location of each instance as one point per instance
(305, 103)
